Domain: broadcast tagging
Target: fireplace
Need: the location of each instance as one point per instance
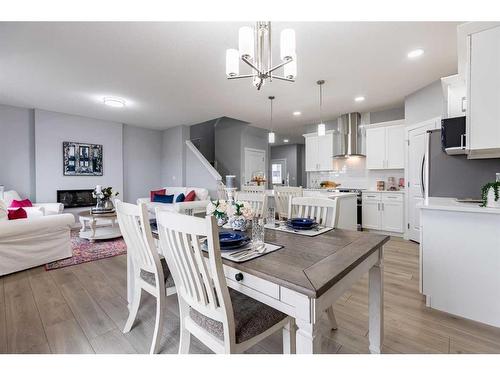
(76, 198)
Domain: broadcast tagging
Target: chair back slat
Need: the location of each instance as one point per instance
(199, 279)
(258, 201)
(282, 195)
(253, 188)
(323, 210)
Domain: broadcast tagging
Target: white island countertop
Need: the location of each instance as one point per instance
(451, 204)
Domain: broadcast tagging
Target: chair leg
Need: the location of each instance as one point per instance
(331, 318)
(289, 337)
(185, 335)
(134, 308)
(159, 322)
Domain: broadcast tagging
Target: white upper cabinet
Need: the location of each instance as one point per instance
(455, 94)
(385, 147)
(319, 152)
(483, 122)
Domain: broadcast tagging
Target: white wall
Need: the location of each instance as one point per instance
(173, 156)
(52, 129)
(424, 104)
(142, 150)
(17, 159)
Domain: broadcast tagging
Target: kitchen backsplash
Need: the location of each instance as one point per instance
(352, 173)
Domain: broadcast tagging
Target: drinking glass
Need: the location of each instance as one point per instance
(271, 216)
(257, 233)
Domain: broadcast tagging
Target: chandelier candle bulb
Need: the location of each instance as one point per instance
(246, 42)
(232, 62)
(287, 44)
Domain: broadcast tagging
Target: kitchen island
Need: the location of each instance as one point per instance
(460, 259)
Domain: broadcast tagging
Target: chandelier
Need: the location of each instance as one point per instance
(255, 50)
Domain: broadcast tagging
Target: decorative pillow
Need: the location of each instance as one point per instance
(163, 198)
(157, 192)
(20, 213)
(4, 213)
(24, 203)
(190, 197)
(180, 198)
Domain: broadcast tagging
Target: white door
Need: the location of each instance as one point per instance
(375, 148)
(392, 216)
(255, 163)
(416, 174)
(311, 153)
(395, 147)
(371, 214)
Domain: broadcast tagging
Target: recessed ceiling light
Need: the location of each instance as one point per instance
(297, 113)
(285, 140)
(114, 102)
(415, 53)
(359, 98)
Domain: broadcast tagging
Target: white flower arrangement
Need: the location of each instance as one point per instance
(240, 208)
(217, 208)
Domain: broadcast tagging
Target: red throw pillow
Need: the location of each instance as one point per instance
(190, 197)
(20, 213)
(23, 203)
(157, 192)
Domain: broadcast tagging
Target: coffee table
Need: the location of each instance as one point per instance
(98, 226)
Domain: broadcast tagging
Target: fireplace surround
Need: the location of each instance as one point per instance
(76, 198)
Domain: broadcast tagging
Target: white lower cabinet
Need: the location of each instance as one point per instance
(383, 211)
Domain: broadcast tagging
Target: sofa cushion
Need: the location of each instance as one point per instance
(251, 318)
(180, 198)
(163, 198)
(4, 213)
(20, 203)
(191, 196)
(19, 213)
(9, 196)
(152, 193)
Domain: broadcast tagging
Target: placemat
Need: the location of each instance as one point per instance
(246, 253)
(310, 233)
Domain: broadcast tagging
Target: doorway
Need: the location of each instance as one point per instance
(278, 172)
(255, 163)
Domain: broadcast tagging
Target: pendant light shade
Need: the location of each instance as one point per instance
(232, 62)
(246, 42)
(272, 137)
(321, 129)
(290, 69)
(287, 44)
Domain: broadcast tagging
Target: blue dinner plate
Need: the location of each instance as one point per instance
(228, 247)
(231, 238)
(301, 222)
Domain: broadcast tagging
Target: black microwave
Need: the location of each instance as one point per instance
(453, 133)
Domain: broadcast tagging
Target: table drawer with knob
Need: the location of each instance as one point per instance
(250, 281)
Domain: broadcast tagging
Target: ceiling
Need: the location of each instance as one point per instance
(173, 73)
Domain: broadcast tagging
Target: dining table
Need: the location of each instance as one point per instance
(307, 275)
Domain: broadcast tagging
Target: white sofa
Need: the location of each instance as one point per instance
(198, 205)
(38, 209)
(27, 243)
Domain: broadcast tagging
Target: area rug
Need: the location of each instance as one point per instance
(86, 251)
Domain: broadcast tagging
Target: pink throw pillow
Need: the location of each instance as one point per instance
(23, 203)
(20, 213)
(190, 197)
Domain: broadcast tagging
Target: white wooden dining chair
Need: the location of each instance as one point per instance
(253, 188)
(224, 320)
(282, 195)
(258, 201)
(326, 213)
(151, 272)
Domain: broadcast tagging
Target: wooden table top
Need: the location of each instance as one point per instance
(311, 265)
(96, 215)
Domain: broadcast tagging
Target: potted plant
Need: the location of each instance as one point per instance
(104, 201)
(218, 209)
(239, 215)
(490, 195)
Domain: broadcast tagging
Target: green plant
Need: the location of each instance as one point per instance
(486, 188)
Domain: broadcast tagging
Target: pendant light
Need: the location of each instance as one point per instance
(271, 135)
(321, 125)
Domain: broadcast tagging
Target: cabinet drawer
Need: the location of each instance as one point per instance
(372, 196)
(250, 281)
(387, 197)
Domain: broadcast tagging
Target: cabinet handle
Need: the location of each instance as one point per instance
(464, 104)
(238, 276)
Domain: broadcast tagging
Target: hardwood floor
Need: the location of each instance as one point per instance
(82, 309)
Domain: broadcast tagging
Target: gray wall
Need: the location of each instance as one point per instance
(228, 147)
(173, 156)
(203, 137)
(387, 115)
(52, 129)
(142, 149)
(424, 104)
(197, 174)
(291, 154)
(17, 151)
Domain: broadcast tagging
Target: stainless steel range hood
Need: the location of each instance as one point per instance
(352, 136)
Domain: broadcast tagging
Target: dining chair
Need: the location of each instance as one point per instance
(326, 213)
(282, 195)
(253, 188)
(258, 201)
(151, 272)
(226, 321)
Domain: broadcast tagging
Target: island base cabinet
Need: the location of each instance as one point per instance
(460, 263)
